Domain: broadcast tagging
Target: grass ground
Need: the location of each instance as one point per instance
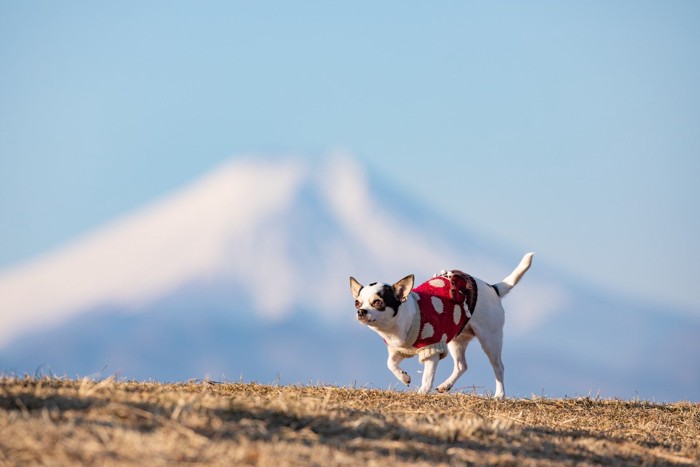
(62, 421)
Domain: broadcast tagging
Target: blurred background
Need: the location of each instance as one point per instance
(185, 188)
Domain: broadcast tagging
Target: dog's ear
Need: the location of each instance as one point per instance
(403, 287)
(355, 287)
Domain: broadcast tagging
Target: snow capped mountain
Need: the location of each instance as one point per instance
(246, 271)
(244, 222)
(150, 253)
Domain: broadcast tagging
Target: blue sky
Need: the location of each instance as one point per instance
(568, 128)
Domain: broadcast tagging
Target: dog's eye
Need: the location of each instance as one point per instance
(357, 304)
(378, 304)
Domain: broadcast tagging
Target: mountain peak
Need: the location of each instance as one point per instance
(304, 222)
(257, 254)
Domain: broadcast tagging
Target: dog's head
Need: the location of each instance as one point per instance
(378, 304)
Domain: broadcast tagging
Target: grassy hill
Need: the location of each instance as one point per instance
(63, 421)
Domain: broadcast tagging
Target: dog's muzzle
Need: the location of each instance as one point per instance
(363, 317)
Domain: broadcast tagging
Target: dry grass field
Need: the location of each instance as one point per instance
(66, 422)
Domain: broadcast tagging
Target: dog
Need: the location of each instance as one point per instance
(438, 317)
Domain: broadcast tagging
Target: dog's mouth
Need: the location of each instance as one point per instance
(366, 320)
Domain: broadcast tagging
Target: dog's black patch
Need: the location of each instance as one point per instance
(373, 283)
(387, 295)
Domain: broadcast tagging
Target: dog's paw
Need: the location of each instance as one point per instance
(405, 378)
(444, 387)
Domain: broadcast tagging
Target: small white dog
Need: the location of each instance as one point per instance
(440, 316)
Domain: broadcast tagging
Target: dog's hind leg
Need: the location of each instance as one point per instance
(393, 364)
(457, 348)
(493, 347)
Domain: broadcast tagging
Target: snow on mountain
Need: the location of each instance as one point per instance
(245, 272)
(151, 252)
(245, 221)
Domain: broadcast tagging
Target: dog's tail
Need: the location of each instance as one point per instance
(503, 287)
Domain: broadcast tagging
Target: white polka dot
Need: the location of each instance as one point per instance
(444, 338)
(437, 283)
(457, 314)
(437, 304)
(428, 331)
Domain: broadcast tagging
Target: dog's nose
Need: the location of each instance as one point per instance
(361, 312)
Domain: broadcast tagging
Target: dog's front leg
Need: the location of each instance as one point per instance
(457, 348)
(429, 367)
(393, 363)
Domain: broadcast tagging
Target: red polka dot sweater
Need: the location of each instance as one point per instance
(446, 303)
